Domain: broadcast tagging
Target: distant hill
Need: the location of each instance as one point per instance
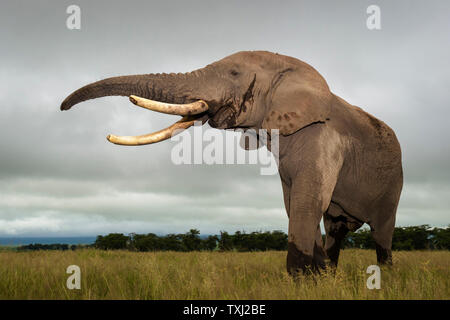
(19, 241)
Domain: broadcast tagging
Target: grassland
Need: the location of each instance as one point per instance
(216, 275)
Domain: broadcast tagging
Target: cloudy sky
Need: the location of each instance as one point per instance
(59, 175)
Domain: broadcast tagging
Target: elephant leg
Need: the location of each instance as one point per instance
(308, 202)
(382, 226)
(319, 253)
(336, 230)
(313, 170)
(383, 243)
(382, 234)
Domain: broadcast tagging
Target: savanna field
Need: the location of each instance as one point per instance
(216, 275)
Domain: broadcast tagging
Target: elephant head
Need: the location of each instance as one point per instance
(257, 89)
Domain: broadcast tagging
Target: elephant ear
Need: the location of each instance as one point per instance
(299, 98)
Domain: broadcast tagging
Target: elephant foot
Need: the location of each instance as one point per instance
(384, 256)
(297, 262)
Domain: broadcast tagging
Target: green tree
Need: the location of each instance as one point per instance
(191, 240)
(172, 242)
(225, 241)
(147, 242)
(112, 241)
(411, 238)
(440, 238)
(210, 243)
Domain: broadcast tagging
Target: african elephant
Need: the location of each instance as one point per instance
(336, 161)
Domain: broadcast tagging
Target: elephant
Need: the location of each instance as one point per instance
(336, 161)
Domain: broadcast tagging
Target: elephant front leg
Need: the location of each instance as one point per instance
(305, 253)
(312, 169)
(319, 252)
(305, 249)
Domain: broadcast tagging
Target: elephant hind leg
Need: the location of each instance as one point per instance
(384, 255)
(382, 234)
(382, 228)
(336, 230)
(337, 223)
(382, 224)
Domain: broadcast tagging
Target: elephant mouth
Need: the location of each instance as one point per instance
(191, 113)
(199, 111)
(224, 118)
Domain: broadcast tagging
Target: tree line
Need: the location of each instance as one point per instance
(405, 238)
(191, 241)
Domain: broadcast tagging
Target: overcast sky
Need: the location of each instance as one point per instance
(59, 175)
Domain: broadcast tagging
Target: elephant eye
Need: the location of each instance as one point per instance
(234, 73)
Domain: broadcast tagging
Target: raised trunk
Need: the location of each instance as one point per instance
(170, 88)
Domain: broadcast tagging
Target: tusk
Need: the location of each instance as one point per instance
(169, 108)
(158, 136)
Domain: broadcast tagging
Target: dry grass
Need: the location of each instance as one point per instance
(216, 275)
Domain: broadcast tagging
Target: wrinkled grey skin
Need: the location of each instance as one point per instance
(336, 161)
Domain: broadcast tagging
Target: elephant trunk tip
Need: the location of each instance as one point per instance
(70, 101)
(65, 106)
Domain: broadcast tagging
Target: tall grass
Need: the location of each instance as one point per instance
(216, 275)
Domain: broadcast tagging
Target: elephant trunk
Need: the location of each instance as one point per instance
(170, 88)
(178, 94)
